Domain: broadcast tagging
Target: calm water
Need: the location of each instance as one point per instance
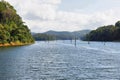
(61, 60)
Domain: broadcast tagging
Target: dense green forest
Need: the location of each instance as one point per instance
(105, 33)
(43, 37)
(12, 28)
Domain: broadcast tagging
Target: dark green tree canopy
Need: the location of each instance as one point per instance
(105, 33)
(43, 37)
(12, 28)
(117, 24)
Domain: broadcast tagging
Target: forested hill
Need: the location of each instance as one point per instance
(60, 35)
(12, 29)
(105, 33)
(66, 35)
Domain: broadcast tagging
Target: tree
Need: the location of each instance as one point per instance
(12, 28)
(105, 33)
(117, 24)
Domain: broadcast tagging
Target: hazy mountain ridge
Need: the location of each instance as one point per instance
(61, 35)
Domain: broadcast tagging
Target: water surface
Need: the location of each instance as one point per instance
(61, 60)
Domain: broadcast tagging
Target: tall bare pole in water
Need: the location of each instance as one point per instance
(75, 40)
(88, 39)
(88, 42)
(71, 40)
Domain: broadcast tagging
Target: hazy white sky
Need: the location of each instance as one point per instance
(67, 15)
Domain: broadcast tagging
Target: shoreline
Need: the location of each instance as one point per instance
(15, 44)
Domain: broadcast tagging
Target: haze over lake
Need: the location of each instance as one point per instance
(61, 60)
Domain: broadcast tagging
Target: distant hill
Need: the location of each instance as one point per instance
(62, 35)
(81, 34)
(43, 37)
(12, 28)
(68, 35)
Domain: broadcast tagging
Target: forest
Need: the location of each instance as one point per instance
(43, 37)
(60, 35)
(105, 33)
(12, 28)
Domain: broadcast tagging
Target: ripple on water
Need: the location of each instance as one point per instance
(59, 61)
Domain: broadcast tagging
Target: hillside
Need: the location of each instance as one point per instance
(60, 35)
(12, 28)
(68, 35)
(105, 33)
(43, 37)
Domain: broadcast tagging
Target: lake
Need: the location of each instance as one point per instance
(61, 60)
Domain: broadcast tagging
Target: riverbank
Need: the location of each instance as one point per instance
(15, 44)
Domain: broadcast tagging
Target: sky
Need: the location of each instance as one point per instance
(67, 15)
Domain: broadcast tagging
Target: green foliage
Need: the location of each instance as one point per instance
(117, 24)
(12, 28)
(105, 33)
(43, 37)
